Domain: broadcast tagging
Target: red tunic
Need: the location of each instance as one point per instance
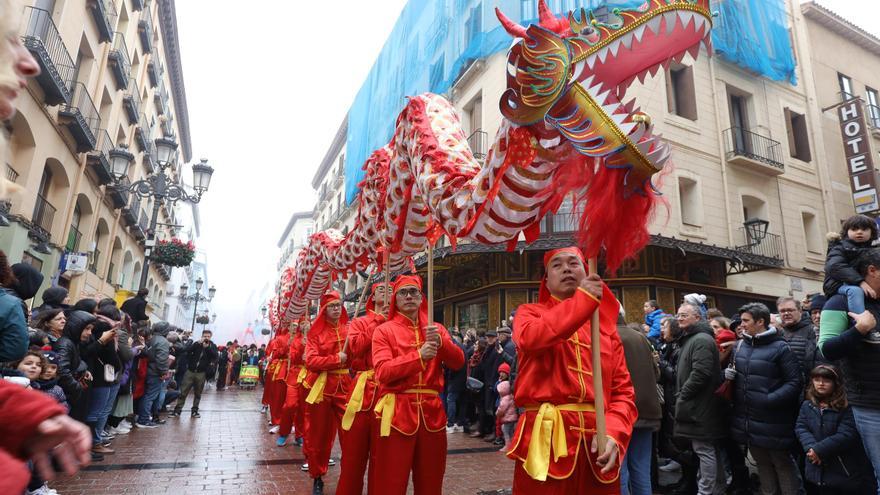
(322, 355)
(360, 352)
(400, 370)
(555, 367)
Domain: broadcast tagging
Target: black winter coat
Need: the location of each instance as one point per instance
(698, 411)
(840, 265)
(200, 358)
(767, 391)
(834, 438)
(456, 379)
(71, 367)
(97, 355)
(801, 339)
(136, 308)
(859, 356)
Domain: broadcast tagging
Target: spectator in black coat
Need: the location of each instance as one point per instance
(102, 356)
(836, 461)
(27, 282)
(53, 298)
(136, 307)
(201, 357)
(797, 330)
(73, 372)
(455, 381)
(857, 234)
(489, 395)
(767, 390)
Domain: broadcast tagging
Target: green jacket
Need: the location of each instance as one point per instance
(699, 413)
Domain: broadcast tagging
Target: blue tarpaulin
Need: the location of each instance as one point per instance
(434, 40)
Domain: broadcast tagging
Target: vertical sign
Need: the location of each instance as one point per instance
(857, 151)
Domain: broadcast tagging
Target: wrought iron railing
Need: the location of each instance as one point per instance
(42, 39)
(119, 56)
(11, 174)
(142, 133)
(150, 157)
(155, 71)
(132, 100)
(99, 158)
(119, 192)
(73, 239)
(44, 215)
(770, 246)
(109, 277)
(93, 266)
(479, 144)
(145, 31)
(105, 16)
(742, 142)
(161, 99)
(142, 221)
(873, 116)
(82, 109)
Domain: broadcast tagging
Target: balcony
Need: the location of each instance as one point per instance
(41, 38)
(145, 31)
(99, 158)
(81, 118)
(104, 13)
(142, 133)
(479, 144)
(41, 222)
(93, 266)
(149, 160)
(168, 124)
(120, 63)
(11, 176)
(753, 151)
(132, 102)
(873, 116)
(73, 239)
(118, 193)
(155, 71)
(757, 253)
(161, 99)
(129, 212)
(137, 5)
(143, 223)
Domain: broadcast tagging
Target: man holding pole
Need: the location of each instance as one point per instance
(328, 384)
(291, 412)
(556, 442)
(408, 352)
(276, 374)
(359, 421)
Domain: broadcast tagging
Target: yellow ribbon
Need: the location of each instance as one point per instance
(303, 372)
(278, 368)
(386, 404)
(548, 433)
(317, 393)
(357, 399)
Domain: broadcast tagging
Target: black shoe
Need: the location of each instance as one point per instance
(96, 457)
(489, 438)
(318, 487)
(498, 442)
(174, 414)
(159, 421)
(195, 414)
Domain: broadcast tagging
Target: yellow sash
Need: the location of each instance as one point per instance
(303, 372)
(357, 399)
(386, 404)
(548, 432)
(317, 393)
(278, 368)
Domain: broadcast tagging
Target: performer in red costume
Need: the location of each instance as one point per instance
(293, 383)
(554, 443)
(276, 375)
(408, 352)
(328, 383)
(358, 421)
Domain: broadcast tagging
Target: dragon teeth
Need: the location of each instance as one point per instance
(626, 41)
(671, 19)
(654, 24)
(591, 61)
(603, 53)
(638, 33)
(613, 47)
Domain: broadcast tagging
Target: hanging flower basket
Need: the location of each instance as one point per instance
(174, 252)
(203, 320)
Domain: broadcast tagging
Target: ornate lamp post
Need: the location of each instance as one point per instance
(195, 298)
(160, 186)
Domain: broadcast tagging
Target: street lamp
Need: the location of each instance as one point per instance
(160, 186)
(756, 230)
(196, 297)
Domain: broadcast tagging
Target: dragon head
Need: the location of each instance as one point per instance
(567, 77)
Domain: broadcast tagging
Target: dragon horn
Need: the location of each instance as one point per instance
(577, 26)
(511, 27)
(545, 17)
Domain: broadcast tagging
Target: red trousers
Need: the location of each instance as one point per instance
(423, 454)
(581, 480)
(356, 447)
(267, 392)
(293, 412)
(276, 400)
(323, 421)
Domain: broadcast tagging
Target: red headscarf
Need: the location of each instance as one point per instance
(371, 305)
(543, 291)
(321, 320)
(409, 281)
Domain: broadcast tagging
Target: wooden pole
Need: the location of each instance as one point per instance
(430, 284)
(598, 390)
(356, 309)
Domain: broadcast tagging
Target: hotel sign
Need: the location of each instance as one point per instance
(857, 151)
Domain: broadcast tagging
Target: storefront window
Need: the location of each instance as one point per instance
(473, 314)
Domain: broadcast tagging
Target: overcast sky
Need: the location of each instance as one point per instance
(268, 83)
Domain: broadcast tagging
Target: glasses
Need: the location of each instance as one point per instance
(414, 293)
(682, 316)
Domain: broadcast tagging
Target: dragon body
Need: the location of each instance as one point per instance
(565, 130)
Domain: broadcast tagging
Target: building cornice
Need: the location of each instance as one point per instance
(841, 26)
(168, 19)
(300, 215)
(332, 151)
